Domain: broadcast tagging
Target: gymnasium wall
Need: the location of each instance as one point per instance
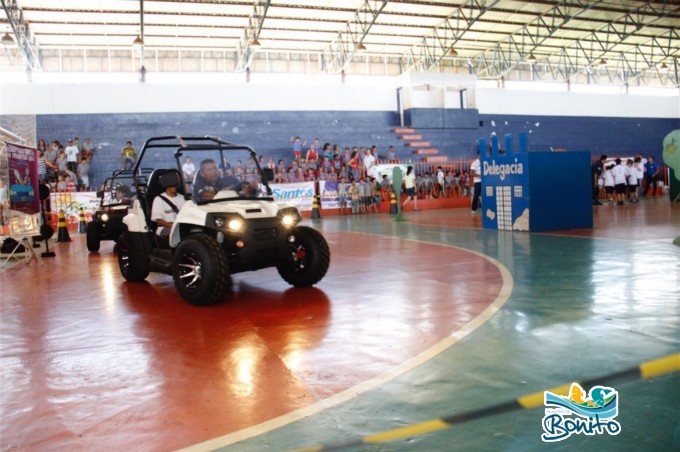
(265, 116)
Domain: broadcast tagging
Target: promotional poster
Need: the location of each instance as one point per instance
(22, 164)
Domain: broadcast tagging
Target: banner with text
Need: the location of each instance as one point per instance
(300, 194)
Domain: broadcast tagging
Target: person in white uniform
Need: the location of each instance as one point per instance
(165, 208)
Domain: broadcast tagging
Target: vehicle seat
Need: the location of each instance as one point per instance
(159, 180)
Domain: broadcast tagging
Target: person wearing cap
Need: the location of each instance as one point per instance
(71, 152)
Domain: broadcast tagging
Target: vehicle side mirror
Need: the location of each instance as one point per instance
(268, 174)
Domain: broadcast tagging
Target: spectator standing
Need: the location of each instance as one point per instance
(449, 184)
(353, 165)
(297, 147)
(441, 183)
(596, 172)
(371, 201)
(420, 186)
(84, 174)
(353, 193)
(342, 195)
(651, 175)
(42, 146)
(631, 173)
(476, 176)
(369, 163)
(72, 154)
(42, 167)
(410, 188)
(643, 160)
(619, 173)
(385, 188)
(62, 162)
(87, 150)
(129, 156)
(312, 154)
(640, 170)
(609, 182)
(362, 196)
(189, 170)
(51, 155)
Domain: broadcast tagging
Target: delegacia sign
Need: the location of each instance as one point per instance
(495, 169)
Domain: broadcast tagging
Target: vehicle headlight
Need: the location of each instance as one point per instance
(288, 220)
(289, 217)
(105, 217)
(235, 225)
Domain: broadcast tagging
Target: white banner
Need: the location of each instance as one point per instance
(388, 168)
(71, 203)
(299, 194)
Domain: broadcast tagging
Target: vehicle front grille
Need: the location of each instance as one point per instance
(265, 234)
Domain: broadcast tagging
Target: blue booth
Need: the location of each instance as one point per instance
(534, 191)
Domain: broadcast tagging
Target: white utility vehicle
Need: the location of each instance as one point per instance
(229, 222)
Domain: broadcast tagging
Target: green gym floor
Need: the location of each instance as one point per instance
(416, 321)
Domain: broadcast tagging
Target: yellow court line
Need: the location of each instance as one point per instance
(368, 385)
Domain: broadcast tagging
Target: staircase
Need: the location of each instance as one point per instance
(419, 147)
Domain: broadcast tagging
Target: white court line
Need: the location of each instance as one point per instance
(373, 383)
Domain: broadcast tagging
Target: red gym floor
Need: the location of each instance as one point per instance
(91, 362)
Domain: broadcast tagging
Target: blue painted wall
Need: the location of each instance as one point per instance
(269, 132)
(613, 136)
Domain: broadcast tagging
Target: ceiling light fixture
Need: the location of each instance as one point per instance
(7, 40)
(361, 47)
(531, 58)
(138, 41)
(602, 62)
(663, 68)
(452, 52)
(255, 43)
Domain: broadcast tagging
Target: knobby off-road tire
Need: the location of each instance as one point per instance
(126, 264)
(200, 270)
(308, 260)
(93, 241)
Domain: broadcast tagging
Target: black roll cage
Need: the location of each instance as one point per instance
(205, 143)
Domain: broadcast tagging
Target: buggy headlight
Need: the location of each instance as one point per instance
(288, 220)
(235, 225)
(289, 217)
(105, 217)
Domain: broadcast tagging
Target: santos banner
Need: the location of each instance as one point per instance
(300, 195)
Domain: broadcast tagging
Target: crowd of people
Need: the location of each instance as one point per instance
(616, 181)
(354, 168)
(65, 168)
(68, 169)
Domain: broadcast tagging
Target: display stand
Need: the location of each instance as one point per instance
(28, 256)
(21, 228)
